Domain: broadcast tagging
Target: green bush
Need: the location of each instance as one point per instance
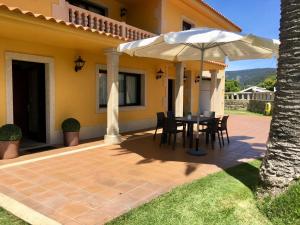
(70, 125)
(10, 132)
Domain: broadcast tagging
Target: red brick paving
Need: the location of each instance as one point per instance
(94, 186)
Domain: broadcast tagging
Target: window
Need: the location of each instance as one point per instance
(90, 6)
(186, 25)
(129, 89)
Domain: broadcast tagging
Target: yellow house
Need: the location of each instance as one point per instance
(40, 40)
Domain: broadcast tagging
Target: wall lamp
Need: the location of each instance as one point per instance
(197, 79)
(184, 74)
(79, 63)
(159, 74)
(123, 12)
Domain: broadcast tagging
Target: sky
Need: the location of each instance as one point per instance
(258, 17)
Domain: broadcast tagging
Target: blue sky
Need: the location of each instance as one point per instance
(259, 17)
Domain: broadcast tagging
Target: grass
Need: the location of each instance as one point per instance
(285, 209)
(242, 112)
(8, 219)
(223, 198)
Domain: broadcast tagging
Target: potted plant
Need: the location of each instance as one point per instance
(10, 137)
(71, 128)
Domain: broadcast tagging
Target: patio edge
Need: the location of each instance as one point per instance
(25, 213)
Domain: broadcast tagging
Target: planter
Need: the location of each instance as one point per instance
(71, 138)
(9, 149)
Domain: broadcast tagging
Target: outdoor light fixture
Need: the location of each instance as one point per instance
(184, 74)
(123, 12)
(159, 74)
(197, 79)
(79, 63)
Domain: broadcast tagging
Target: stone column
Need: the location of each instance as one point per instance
(112, 131)
(179, 89)
(213, 90)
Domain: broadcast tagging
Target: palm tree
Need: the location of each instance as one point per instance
(281, 164)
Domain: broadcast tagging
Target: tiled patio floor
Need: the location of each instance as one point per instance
(98, 184)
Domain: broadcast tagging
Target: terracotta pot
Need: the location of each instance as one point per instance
(9, 149)
(71, 138)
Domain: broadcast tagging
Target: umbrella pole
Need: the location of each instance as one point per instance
(200, 77)
(197, 151)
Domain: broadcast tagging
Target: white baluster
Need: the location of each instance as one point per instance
(71, 16)
(94, 23)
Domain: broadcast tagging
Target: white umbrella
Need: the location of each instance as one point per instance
(202, 44)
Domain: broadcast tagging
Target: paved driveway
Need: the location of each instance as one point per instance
(91, 184)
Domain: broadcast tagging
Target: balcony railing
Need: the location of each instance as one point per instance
(101, 23)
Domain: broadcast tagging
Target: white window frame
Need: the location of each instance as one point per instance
(187, 20)
(123, 108)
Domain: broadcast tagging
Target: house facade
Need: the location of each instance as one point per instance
(40, 41)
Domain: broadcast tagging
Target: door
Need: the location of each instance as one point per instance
(205, 96)
(29, 107)
(171, 95)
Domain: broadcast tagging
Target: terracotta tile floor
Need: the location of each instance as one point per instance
(96, 185)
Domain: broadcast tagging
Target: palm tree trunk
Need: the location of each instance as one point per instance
(281, 164)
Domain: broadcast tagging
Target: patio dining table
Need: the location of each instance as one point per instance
(190, 125)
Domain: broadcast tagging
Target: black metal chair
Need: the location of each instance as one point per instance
(211, 130)
(170, 114)
(223, 127)
(210, 114)
(171, 128)
(160, 122)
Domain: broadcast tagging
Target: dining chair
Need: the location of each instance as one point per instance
(171, 114)
(223, 127)
(170, 129)
(211, 130)
(160, 117)
(211, 114)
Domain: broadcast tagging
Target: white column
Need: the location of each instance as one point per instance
(112, 132)
(213, 90)
(179, 89)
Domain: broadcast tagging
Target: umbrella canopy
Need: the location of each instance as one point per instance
(202, 44)
(216, 45)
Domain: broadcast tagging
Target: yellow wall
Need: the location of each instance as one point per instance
(156, 16)
(174, 12)
(113, 7)
(37, 6)
(75, 93)
(145, 15)
(2, 88)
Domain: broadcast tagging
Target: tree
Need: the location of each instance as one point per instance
(232, 86)
(269, 83)
(281, 164)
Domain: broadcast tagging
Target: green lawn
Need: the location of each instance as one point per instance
(223, 198)
(242, 112)
(8, 219)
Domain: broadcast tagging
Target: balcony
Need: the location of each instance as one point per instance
(98, 22)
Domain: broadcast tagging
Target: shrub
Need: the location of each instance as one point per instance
(10, 132)
(70, 125)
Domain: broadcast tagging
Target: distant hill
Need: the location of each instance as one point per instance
(250, 77)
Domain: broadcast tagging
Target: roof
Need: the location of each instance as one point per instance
(219, 14)
(53, 20)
